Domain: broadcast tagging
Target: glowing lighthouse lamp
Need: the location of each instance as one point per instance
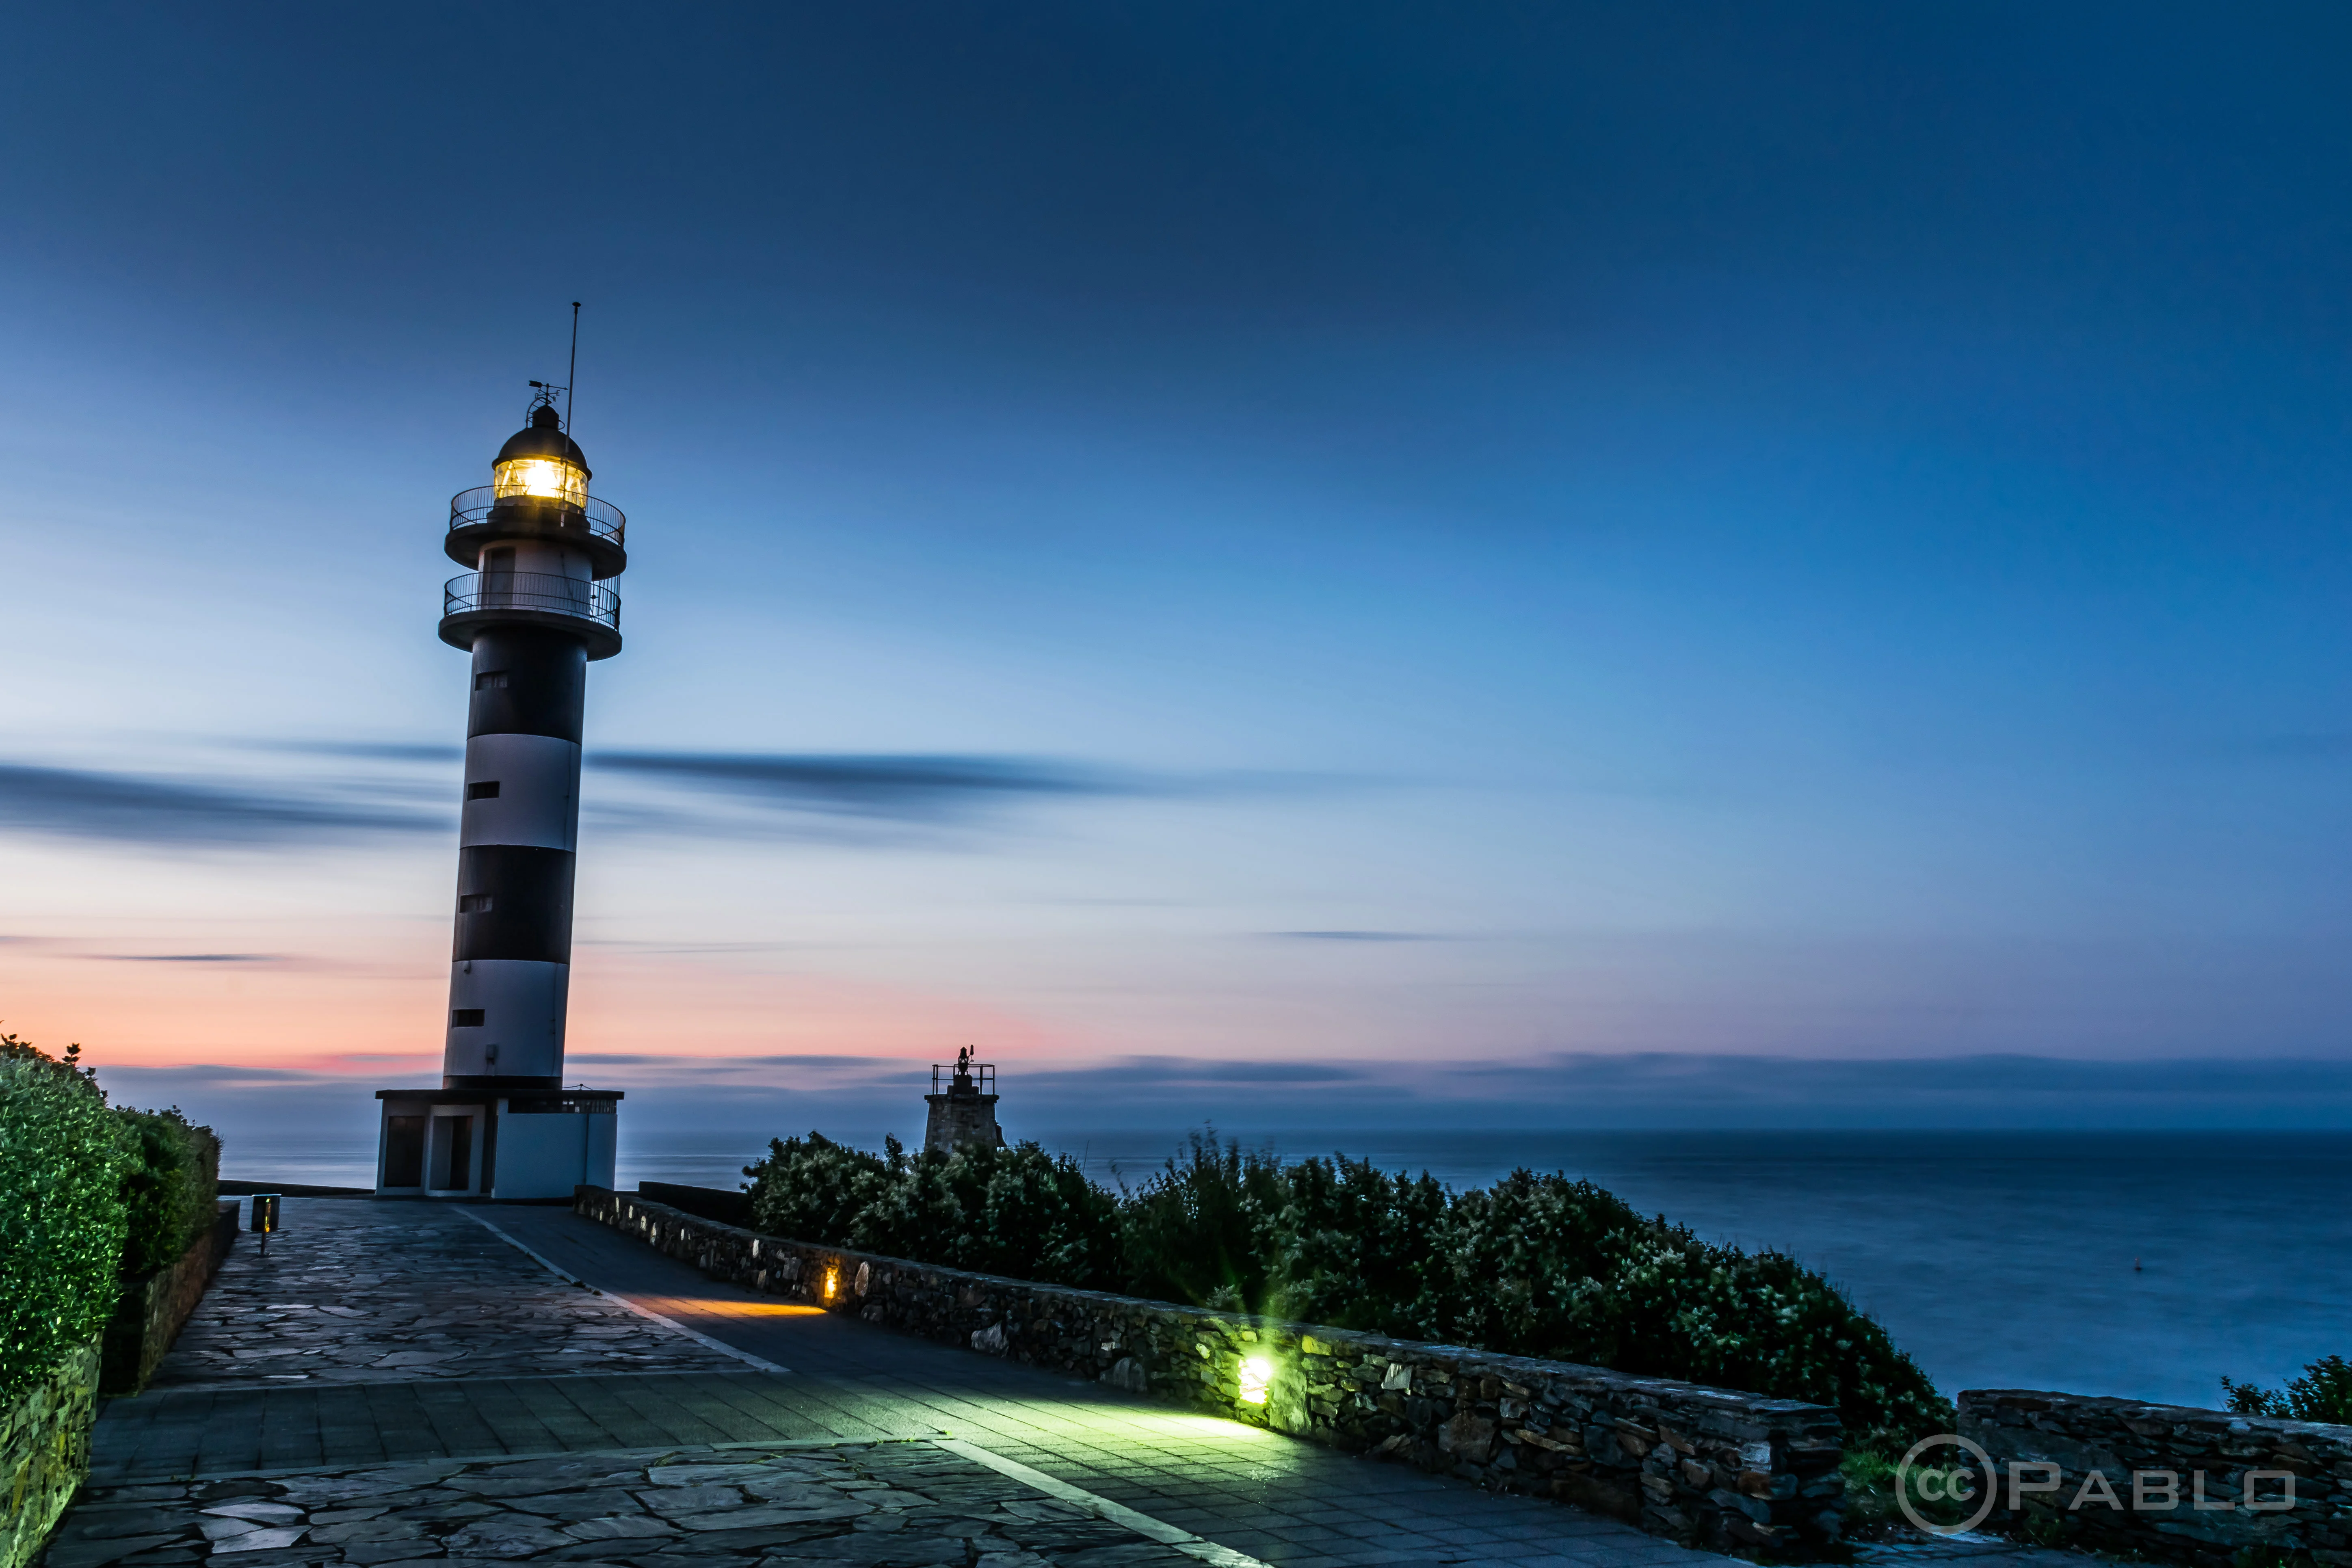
(534, 610)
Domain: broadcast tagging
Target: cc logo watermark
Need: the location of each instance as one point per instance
(1968, 1475)
(1949, 1481)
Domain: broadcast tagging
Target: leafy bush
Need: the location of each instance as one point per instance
(1533, 1265)
(1205, 1228)
(2323, 1393)
(1018, 1212)
(817, 1190)
(1357, 1248)
(1766, 1323)
(63, 1158)
(172, 1194)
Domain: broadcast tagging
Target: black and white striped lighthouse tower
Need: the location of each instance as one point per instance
(534, 612)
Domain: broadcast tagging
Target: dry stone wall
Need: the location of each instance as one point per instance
(2162, 1480)
(1705, 1466)
(149, 1313)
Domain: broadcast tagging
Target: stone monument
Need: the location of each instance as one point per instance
(963, 1115)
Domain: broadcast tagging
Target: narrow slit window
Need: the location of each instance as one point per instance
(473, 903)
(491, 680)
(466, 1017)
(486, 790)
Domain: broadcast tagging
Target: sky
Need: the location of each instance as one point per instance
(1296, 564)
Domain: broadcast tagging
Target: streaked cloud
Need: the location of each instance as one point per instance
(695, 1063)
(184, 957)
(1354, 936)
(934, 788)
(80, 803)
(1171, 1069)
(368, 751)
(853, 797)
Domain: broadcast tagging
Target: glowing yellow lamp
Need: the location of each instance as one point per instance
(541, 478)
(1257, 1373)
(832, 1281)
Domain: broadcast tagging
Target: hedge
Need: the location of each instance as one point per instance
(89, 1195)
(174, 1194)
(63, 1160)
(1534, 1265)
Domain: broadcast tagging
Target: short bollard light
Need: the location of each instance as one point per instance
(264, 1218)
(1257, 1374)
(832, 1282)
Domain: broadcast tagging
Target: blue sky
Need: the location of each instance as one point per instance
(1300, 540)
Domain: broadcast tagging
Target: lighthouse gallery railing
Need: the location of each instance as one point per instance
(601, 520)
(543, 590)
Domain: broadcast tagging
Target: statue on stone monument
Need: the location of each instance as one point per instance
(964, 1116)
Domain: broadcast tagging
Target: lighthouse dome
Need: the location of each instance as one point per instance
(544, 439)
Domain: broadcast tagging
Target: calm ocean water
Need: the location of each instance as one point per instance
(1997, 1259)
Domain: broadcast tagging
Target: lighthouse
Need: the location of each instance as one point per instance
(535, 607)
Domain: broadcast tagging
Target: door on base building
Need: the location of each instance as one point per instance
(403, 1150)
(453, 1154)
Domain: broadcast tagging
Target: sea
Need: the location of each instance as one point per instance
(2139, 1265)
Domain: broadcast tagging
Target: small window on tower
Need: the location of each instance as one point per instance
(486, 790)
(491, 680)
(473, 903)
(464, 1017)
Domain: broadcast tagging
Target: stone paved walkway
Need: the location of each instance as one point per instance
(566, 1404)
(1285, 1502)
(911, 1503)
(368, 1292)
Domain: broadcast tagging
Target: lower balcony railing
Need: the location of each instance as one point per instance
(542, 591)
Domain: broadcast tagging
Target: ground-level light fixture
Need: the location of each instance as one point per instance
(1257, 1374)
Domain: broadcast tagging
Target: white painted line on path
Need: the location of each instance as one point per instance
(1117, 1513)
(705, 1340)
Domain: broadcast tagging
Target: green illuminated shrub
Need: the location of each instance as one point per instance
(1207, 1228)
(63, 1159)
(1533, 1265)
(1539, 1261)
(1018, 1212)
(1357, 1248)
(1764, 1323)
(817, 1190)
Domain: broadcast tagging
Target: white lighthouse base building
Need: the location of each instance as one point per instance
(483, 1144)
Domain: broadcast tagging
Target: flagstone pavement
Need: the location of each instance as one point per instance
(401, 1383)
